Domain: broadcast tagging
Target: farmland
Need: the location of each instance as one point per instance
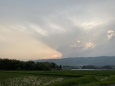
(57, 78)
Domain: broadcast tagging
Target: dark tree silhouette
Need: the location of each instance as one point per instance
(10, 64)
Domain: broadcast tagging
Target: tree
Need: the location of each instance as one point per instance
(8, 64)
(107, 67)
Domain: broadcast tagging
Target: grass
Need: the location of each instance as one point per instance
(57, 78)
(5, 75)
(30, 81)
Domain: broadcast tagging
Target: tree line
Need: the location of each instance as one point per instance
(11, 64)
(97, 67)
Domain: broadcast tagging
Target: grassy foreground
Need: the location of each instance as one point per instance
(57, 78)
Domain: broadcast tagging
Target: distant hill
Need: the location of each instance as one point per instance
(80, 61)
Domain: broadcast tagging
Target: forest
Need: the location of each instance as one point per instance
(12, 64)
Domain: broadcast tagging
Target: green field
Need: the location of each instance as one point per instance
(57, 78)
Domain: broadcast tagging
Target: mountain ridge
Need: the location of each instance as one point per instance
(80, 61)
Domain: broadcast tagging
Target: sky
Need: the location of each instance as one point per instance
(45, 29)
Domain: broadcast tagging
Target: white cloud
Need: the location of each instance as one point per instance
(88, 24)
(89, 45)
(82, 45)
(39, 30)
(110, 34)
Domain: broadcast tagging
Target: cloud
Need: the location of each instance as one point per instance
(61, 28)
(82, 45)
(17, 43)
(89, 45)
(110, 34)
(88, 24)
(39, 30)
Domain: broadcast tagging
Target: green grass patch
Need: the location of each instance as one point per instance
(57, 78)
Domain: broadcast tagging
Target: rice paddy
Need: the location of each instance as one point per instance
(57, 78)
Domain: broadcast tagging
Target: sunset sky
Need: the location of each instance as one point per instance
(42, 29)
